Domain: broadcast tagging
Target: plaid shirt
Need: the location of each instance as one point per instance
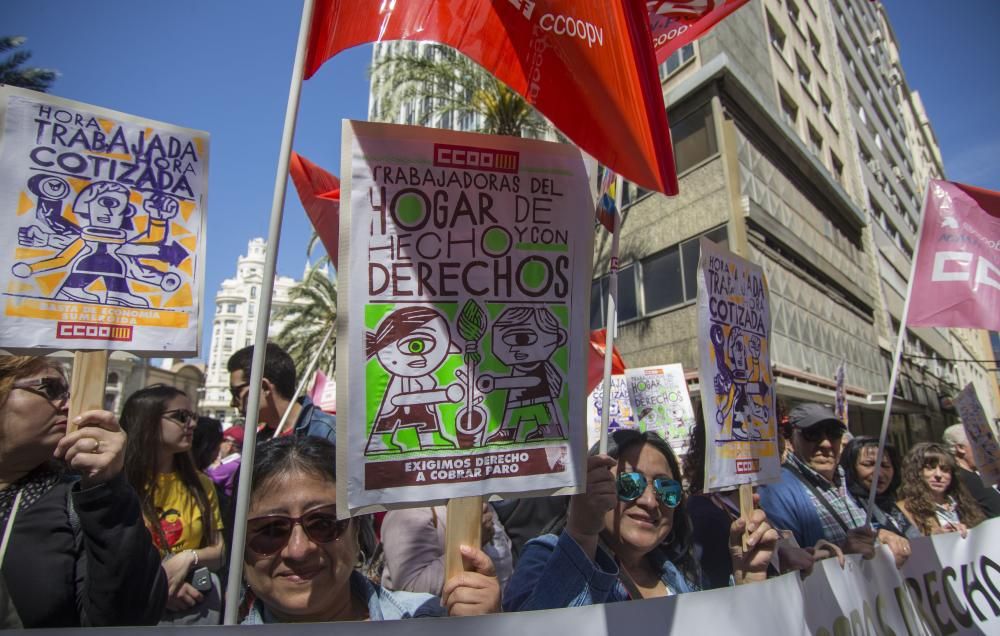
(836, 495)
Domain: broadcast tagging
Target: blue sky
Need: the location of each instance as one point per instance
(224, 65)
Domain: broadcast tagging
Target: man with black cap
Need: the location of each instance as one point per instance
(811, 499)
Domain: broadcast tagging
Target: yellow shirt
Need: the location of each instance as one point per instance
(179, 515)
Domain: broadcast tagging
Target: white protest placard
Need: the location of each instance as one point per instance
(465, 266)
(105, 217)
(619, 412)
(983, 441)
(737, 386)
(661, 403)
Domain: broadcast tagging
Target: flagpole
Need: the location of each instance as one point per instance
(235, 582)
(612, 318)
(305, 380)
(897, 355)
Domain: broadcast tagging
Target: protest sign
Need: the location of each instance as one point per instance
(620, 411)
(737, 386)
(105, 216)
(324, 393)
(840, 394)
(660, 402)
(983, 441)
(465, 270)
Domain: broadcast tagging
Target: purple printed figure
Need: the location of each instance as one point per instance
(411, 344)
(525, 338)
(737, 383)
(105, 252)
(53, 230)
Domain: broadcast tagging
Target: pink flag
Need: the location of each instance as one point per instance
(957, 278)
(324, 393)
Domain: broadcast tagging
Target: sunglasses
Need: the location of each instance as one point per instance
(181, 416)
(632, 485)
(815, 433)
(269, 534)
(237, 391)
(50, 388)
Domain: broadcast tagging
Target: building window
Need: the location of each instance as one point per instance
(227, 344)
(804, 73)
(825, 104)
(789, 110)
(694, 138)
(793, 12)
(676, 60)
(112, 378)
(815, 140)
(253, 292)
(838, 167)
(663, 280)
(230, 308)
(777, 36)
(814, 46)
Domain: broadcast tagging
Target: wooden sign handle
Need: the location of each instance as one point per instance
(86, 388)
(464, 527)
(746, 509)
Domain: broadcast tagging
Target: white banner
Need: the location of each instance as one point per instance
(465, 265)
(105, 217)
(950, 585)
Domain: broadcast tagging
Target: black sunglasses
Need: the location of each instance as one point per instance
(237, 391)
(269, 534)
(632, 485)
(181, 416)
(817, 432)
(50, 388)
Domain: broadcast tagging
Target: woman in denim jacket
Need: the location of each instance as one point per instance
(627, 537)
(300, 559)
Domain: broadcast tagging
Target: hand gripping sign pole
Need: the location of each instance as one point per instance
(263, 319)
(86, 389)
(612, 318)
(894, 375)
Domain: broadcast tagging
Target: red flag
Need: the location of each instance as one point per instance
(588, 67)
(595, 360)
(676, 23)
(319, 192)
(956, 282)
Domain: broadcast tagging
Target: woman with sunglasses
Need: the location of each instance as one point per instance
(627, 537)
(178, 501)
(932, 497)
(74, 551)
(300, 558)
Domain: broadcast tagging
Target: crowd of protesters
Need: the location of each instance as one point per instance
(127, 521)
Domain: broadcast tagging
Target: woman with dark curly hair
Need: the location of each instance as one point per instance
(627, 537)
(931, 496)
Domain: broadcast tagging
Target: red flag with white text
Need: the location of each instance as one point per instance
(956, 282)
(319, 192)
(588, 67)
(677, 23)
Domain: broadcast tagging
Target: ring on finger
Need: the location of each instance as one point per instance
(97, 447)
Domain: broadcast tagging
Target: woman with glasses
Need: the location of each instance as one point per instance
(932, 497)
(74, 552)
(627, 537)
(300, 559)
(178, 501)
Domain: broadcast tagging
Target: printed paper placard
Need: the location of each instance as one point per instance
(737, 387)
(983, 441)
(620, 413)
(660, 403)
(105, 216)
(465, 270)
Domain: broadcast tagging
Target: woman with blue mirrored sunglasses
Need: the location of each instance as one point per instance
(631, 485)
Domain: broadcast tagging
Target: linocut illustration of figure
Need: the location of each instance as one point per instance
(102, 250)
(525, 338)
(741, 383)
(411, 344)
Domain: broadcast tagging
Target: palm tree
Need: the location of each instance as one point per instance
(311, 315)
(450, 85)
(12, 73)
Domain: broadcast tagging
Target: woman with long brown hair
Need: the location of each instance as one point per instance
(178, 501)
(931, 496)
